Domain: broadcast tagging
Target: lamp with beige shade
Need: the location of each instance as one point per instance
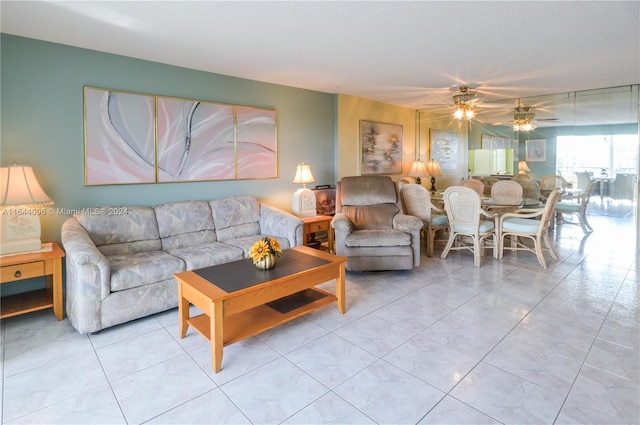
(20, 198)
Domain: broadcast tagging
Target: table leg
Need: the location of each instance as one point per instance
(183, 311)
(340, 290)
(217, 335)
(56, 283)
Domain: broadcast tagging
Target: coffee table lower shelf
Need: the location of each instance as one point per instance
(258, 319)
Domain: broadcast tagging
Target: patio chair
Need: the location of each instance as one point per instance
(622, 187)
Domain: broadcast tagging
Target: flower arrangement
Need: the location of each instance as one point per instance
(264, 248)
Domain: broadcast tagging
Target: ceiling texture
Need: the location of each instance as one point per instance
(412, 54)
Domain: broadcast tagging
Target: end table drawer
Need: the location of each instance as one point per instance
(318, 227)
(22, 271)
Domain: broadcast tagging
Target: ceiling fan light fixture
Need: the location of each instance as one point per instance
(523, 121)
(462, 101)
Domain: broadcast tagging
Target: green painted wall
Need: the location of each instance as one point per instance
(42, 124)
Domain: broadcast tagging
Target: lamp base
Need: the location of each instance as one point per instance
(433, 185)
(20, 233)
(418, 180)
(304, 203)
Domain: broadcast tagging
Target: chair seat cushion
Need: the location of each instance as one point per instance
(439, 220)
(485, 226)
(565, 206)
(526, 225)
(377, 238)
(141, 268)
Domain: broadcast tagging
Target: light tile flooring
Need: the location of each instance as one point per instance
(446, 343)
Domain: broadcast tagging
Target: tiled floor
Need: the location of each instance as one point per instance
(446, 343)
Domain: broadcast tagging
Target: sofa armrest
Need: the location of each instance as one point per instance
(343, 227)
(88, 276)
(276, 222)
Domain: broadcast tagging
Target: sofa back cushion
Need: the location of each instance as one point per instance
(185, 224)
(236, 217)
(122, 230)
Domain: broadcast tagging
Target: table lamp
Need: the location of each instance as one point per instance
(20, 192)
(433, 168)
(304, 200)
(523, 168)
(418, 171)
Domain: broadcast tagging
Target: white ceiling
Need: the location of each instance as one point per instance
(412, 54)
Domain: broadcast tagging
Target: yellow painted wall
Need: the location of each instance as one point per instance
(350, 111)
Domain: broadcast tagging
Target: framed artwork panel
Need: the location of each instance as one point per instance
(380, 147)
(133, 138)
(444, 149)
(257, 144)
(536, 150)
(119, 137)
(195, 140)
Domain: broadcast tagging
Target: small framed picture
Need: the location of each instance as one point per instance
(536, 150)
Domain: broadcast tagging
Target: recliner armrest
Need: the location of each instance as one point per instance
(341, 223)
(407, 223)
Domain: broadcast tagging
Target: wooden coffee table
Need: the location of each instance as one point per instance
(239, 301)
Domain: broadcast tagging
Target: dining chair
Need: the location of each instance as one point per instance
(532, 224)
(467, 220)
(578, 206)
(474, 184)
(416, 201)
(506, 196)
(530, 188)
(405, 180)
(550, 182)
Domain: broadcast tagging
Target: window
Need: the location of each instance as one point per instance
(597, 154)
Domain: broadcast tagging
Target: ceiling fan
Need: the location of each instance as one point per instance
(524, 119)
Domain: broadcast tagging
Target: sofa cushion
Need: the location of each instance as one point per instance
(142, 268)
(245, 242)
(236, 217)
(206, 255)
(378, 238)
(185, 224)
(135, 231)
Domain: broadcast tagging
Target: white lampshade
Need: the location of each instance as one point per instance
(433, 168)
(523, 167)
(304, 200)
(20, 225)
(418, 171)
(303, 174)
(19, 186)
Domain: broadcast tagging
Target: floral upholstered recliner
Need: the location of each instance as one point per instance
(120, 267)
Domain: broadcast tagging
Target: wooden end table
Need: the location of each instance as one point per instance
(239, 301)
(315, 224)
(36, 264)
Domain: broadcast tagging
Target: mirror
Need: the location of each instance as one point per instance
(598, 112)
